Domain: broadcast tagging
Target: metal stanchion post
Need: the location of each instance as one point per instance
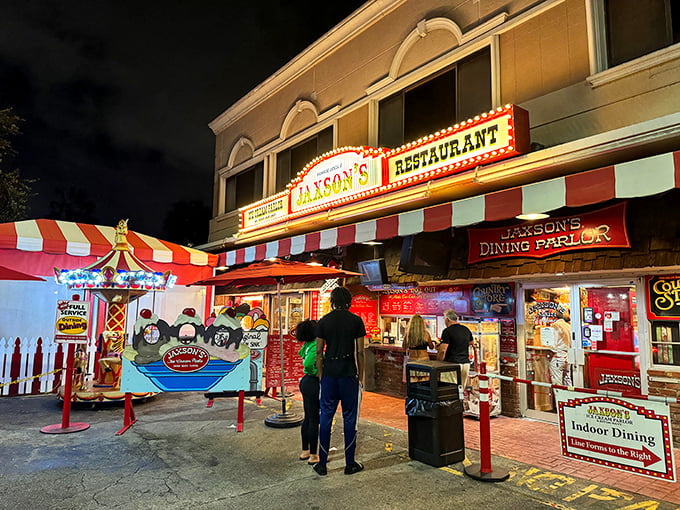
(483, 470)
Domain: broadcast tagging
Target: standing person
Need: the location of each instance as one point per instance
(558, 362)
(341, 370)
(305, 332)
(416, 342)
(455, 347)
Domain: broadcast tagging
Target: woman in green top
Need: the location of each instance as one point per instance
(309, 387)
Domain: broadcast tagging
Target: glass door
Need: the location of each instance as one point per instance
(547, 344)
(583, 334)
(609, 337)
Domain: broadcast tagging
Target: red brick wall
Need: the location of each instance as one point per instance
(510, 390)
(667, 384)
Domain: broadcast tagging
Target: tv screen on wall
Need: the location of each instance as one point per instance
(425, 253)
(373, 272)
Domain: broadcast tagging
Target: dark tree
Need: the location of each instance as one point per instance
(73, 204)
(14, 191)
(187, 223)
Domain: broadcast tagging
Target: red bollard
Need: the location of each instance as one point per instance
(129, 418)
(66, 427)
(239, 418)
(483, 471)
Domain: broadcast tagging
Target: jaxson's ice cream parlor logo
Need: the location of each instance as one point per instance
(189, 355)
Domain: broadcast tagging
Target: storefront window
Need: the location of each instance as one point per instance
(245, 187)
(459, 93)
(666, 343)
(638, 27)
(292, 311)
(546, 343)
(290, 161)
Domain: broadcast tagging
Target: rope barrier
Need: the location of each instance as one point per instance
(29, 378)
(606, 393)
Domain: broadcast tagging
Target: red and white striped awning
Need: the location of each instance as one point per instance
(638, 178)
(37, 246)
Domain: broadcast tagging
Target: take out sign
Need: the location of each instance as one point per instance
(72, 324)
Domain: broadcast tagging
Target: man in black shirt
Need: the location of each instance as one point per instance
(341, 371)
(454, 347)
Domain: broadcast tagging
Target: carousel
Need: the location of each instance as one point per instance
(118, 279)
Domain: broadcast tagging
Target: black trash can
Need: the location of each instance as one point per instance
(435, 413)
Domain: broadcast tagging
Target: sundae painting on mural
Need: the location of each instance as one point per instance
(224, 354)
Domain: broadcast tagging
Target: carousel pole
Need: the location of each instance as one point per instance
(284, 419)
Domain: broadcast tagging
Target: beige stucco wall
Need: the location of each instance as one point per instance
(353, 128)
(544, 67)
(341, 78)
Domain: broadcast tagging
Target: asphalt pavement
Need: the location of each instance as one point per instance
(182, 454)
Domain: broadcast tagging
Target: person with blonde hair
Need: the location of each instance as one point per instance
(416, 342)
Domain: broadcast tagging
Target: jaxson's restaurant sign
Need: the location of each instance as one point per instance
(351, 174)
(604, 228)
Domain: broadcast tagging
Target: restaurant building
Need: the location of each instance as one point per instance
(415, 142)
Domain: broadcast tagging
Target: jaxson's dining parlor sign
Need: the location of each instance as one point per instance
(604, 228)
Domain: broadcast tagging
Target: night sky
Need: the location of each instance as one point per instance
(117, 95)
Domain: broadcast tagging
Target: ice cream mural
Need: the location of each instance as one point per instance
(225, 354)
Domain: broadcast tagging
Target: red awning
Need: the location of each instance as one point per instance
(37, 246)
(639, 178)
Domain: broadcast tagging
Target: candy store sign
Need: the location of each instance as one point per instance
(663, 297)
(605, 228)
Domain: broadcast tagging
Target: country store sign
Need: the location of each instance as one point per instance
(351, 174)
(604, 228)
(628, 434)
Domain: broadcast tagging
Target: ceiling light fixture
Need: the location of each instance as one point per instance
(372, 243)
(532, 216)
(314, 261)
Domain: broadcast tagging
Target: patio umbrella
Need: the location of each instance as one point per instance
(10, 274)
(276, 272)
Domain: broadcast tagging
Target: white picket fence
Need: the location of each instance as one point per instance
(19, 362)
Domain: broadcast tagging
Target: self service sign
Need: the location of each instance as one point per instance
(628, 434)
(73, 322)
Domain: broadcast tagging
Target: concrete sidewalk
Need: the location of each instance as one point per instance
(181, 454)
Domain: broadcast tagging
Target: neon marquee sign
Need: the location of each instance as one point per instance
(351, 174)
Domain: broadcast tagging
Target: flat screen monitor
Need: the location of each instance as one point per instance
(426, 253)
(373, 272)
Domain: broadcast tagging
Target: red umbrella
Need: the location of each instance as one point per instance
(10, 274)
(276, 272)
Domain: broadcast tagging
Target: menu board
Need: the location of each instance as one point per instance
(367, 309)
(508, 336)
(292, 362)
(425, 301)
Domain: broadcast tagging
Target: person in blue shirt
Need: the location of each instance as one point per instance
(305, 332)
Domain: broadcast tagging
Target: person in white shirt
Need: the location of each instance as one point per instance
(559, 373)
